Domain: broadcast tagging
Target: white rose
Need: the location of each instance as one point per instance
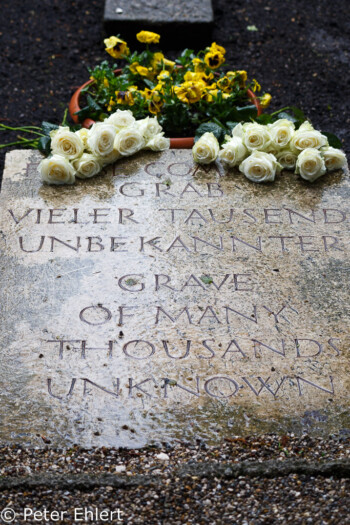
(206, 149)
(87, 166)
(128, 141)
(281, 133)
(307, 137)
(238, 131)
(67, 143)
(83, 133)
(310, 165)
(256, 136)
(110, 158)
(158, 143)
(233, 152)
(57, 170)
(149, 127)
(287, 158)
(121, 119)
(101, 139)
(260, 167)
(334, 159)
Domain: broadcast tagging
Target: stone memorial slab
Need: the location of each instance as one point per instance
(164, 301)
(182, 21)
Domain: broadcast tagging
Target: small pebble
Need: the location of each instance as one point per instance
(162, 457)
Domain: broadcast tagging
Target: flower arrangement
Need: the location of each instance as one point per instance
(183, 94)
(83, 153)
(192, 95)
(261, 151)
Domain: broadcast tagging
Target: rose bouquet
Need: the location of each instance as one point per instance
(192, 95)
(261, 151)
(83, 153)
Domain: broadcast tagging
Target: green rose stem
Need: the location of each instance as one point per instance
(26, 129)
(280, 111)
(23, 141)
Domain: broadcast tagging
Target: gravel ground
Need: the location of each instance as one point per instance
(16, 461)
(300, 54)
(256, 480)
(294, 499)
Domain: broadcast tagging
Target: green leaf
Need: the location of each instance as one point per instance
(44, 145)
(247, 112)
(47, 127)
(333, 140)
(265, 118)
(231, 125)
(148, 83)
(93, 106)
(210, 127)
(287, 116)
(206, 279)
(298, 113)
(83, 113)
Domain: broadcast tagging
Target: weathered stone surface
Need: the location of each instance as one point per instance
(193, 17)
(151, 12)
(162, 301)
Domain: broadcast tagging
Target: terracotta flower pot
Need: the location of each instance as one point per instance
(175, 143)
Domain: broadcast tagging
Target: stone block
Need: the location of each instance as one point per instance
(163, 301)
(180, 23)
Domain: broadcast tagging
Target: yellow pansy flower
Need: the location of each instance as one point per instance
(240, 76)
(214, 59)
(157, 59)
(156, 102)
(256, 86)
(160, 62)
(143, 71)
(189, 92)
(197, 77)
(243, 75)
(163, 75)
(125, 97)
(207, 78)
(116, 47)
(169, 64)
(110, 104)
(159, 87)
(146, 93)
(224, 84)
(214, 48)
(154, 107)
(265, 100)
(147, 37)
(190, 76)
(133, 67)
(209, 95)
(105, 82)
(199, 65)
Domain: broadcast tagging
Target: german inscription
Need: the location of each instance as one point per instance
(163, 301)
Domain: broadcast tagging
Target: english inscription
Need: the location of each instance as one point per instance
(162, 293)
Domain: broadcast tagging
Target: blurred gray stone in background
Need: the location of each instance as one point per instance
(182, 22)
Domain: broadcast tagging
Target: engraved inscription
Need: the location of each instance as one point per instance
(172, 300)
